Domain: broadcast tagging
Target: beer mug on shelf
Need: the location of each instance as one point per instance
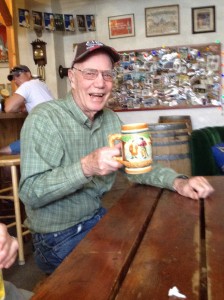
(136, 147)
(2, 287)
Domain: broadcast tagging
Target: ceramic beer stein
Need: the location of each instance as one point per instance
(136, 147)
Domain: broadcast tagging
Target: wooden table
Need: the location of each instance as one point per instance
(150, 241)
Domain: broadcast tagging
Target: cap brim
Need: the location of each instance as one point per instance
(10, 77)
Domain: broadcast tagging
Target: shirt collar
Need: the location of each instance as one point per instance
(79, 114)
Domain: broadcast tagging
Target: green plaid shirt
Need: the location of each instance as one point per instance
(55, 136)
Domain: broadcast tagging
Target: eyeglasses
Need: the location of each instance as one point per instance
(91, 74)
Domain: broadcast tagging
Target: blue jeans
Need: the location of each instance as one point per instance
(15, 147)
(52, 248)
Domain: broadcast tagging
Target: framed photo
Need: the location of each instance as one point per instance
(69, 22)
(81, 22)
(24, 18)
(49, 21)
(162, 20)
(203, 19)
(90, 22)
(121, 26)
(59, 22)
(3, 47)
(37, 19)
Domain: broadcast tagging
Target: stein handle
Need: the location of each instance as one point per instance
(112, 139)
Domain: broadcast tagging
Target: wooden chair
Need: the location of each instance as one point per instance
(11, 193)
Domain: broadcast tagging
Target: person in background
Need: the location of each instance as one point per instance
(30, 92)
(67, 165)
(8, 254)
(8, 248)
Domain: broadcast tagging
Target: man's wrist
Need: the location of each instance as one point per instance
(178, 180)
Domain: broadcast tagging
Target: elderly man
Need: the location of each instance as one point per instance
(8, 254)
(67, 165)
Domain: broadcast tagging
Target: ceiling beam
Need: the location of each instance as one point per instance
(5, 13)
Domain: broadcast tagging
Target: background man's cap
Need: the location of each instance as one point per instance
(84, 49)
(16, 70)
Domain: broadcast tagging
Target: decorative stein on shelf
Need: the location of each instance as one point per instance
(136, 147)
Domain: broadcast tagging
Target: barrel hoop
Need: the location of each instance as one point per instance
(162, 144)
(171, 156)
(170, 126)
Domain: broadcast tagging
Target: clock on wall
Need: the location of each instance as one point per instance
(39, 52)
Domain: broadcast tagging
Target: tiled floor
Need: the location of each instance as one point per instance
(29, 276)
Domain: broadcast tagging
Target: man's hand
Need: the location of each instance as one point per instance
(101, 161)
(194, 187)
(8, 248)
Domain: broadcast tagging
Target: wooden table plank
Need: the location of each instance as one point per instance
(214, 224)
(169, 253)
(96, 267)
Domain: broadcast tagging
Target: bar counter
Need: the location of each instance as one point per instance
(10, 127)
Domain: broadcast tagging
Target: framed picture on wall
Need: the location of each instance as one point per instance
(81, 22)
(203, 19)
(90, 22)
(49, 21)
(59, 22)
(69, 22)
(162, 20)
(121, 26)
(3, 47)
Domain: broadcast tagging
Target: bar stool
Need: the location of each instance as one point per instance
(13, 161)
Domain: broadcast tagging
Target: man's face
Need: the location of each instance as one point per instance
(21, 77)
(91, 94)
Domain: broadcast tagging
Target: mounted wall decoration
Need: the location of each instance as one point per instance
(69, 23)
(37, 22)
(55, 22)
(81, 22)
(203, 19)
(40, 57)
(63, 72)
(49, 21)
(162, 20)
(171, 77)
(121, 26)
(24, 18)
(3, 47)
(59, 22)
(90, 22)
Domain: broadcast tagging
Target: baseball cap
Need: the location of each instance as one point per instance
(84, 49)
(16, 70)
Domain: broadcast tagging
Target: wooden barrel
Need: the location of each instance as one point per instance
(170, 146)
(177, 119)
